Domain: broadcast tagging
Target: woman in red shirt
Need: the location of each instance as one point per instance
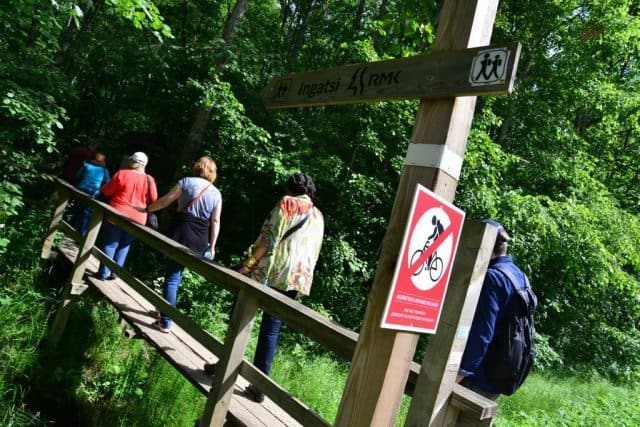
(130, 191)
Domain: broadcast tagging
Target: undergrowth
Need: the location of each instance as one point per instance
(95, 377)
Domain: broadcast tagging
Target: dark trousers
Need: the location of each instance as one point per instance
(268, 339)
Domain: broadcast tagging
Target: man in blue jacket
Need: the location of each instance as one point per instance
(495, 298)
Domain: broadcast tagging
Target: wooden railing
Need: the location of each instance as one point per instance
(250, 296)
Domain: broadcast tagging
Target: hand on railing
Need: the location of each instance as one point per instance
(244, 270)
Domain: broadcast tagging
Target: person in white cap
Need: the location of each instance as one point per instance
(129, 192)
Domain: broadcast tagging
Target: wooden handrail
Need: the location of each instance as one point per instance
(336, 338)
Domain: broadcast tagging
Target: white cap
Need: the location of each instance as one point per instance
(139, 157)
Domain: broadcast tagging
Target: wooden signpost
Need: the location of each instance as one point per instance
(447, 82)
(488, 70)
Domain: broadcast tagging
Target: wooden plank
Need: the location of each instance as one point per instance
(444, 352)
(381, 362)
(228, 367)
(71, 291)
(488, 70)
(339, 339)
(473, 404)
(143, 292)
(186, 354)
(335, 337)
(188, 362)
(289, 404)
(62, 201)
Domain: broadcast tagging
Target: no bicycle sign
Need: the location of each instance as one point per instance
(424, 264)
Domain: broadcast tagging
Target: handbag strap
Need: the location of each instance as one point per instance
(295, 228)
(188, 205)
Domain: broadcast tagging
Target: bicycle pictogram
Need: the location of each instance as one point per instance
(434, 264)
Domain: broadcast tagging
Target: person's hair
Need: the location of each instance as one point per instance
(136, 165)
(301, 183)
(502, 238)
(501, 246)
(99, 159)
(205, 168)
(502, 242)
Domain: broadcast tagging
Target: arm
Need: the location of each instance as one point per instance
(483, 327)
(165, 200)
(153, 189)
(270, 234)
(80, 172)
(258, 252)
(106, 177)
(215, 227)
(110, 188)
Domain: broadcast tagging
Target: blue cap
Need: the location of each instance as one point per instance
(502, 236)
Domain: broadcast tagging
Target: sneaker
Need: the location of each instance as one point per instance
(210, 368)
(255, 394)
(158, 325)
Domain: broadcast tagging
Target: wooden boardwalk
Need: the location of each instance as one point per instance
(188, 346)
(181, 350)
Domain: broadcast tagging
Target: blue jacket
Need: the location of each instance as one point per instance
(91, 178)
(495, 297)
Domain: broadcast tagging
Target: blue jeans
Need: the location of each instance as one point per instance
(172, 279)
(80, 217)
(116, 244)
(268, 339)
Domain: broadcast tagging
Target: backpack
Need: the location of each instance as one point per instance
(512, 352)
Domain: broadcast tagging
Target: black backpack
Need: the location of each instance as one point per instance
(511, 353)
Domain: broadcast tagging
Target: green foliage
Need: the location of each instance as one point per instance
(23, 312)
(546, 400)
(143, 14)
(407, 28)
(556, 161)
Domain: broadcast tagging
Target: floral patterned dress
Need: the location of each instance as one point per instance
(289, 263)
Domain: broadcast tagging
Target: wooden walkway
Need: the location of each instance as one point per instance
(181, 350)
(188, 346)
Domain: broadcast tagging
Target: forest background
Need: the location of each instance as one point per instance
(557, 161)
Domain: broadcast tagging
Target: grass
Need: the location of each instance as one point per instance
(23, 316)
(95, 377)
(547, 400)
(112, 381)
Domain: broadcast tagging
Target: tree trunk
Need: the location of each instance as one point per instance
(299, 36)
(236, 15)
(357, 23)
(199, 125)
(71, 35)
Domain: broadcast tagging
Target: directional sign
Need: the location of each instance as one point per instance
(488, 70)
(424, 265)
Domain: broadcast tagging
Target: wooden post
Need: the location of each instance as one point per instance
(444, 351)
(228, 367)
(380, 365)
(76, 287)
(61, 204)
(460, 414)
